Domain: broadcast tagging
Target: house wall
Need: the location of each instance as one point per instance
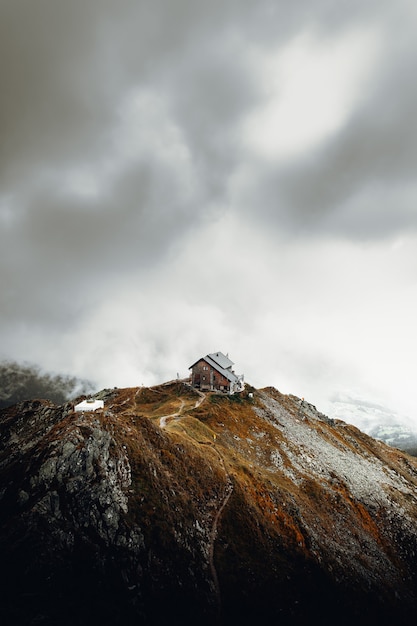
(206, 377)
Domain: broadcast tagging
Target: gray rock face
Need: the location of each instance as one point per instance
(66, 490)
(90, 473)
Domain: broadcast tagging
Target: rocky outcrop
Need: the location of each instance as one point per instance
(167, 507)
(64, 495)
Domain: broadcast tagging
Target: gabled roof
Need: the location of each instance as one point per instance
(221, 359)
(225, 372)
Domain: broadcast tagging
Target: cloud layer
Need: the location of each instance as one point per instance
(188, 177)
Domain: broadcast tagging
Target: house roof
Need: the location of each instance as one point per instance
(225, 372)
(89, 405)
(221, 359)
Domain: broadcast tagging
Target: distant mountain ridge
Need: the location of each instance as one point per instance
(377, 421)
(24, 381)
(173, 506)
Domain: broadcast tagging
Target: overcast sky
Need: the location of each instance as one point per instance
(179, 177)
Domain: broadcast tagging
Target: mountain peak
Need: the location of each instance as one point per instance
(205, 507)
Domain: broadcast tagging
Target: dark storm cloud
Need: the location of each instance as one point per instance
(64, 66)
(360, 183)
(51, 83)
(68, 73)
(120, 134)
(60, 250)
(66, 70)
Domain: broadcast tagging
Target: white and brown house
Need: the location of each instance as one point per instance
(213, 372)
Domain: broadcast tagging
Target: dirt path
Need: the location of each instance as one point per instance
(214, 529)
(201, 398)
(212, 535)
(163, 420)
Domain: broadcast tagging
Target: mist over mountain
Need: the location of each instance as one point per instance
(19, 382)
(170, 505)
(376, 420)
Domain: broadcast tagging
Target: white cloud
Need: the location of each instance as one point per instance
(311, 87)
(144, 223)
(309, 317)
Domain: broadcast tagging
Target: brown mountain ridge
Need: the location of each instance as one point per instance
(170, 506)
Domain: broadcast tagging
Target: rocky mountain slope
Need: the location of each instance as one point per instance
(173, 507)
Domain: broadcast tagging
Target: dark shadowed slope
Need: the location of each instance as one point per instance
(169, 506)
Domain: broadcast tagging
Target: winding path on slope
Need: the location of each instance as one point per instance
(214, 529)
(212, 536)
(163, 420)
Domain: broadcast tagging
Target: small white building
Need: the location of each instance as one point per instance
(89, 405)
